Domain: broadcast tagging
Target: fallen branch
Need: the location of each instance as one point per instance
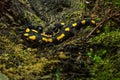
(99, 25)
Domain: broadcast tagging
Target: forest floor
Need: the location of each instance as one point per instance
(92, 54)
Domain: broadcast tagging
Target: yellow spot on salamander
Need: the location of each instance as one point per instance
(67, 29)
(34, 30)
(62, 23)
(47, 39)
(44, 34)
(32, 37)
(50, 40)
(83, 22)
(27, 30)
(74, 24)
(44, 39)
(61, 36)
(26, 34)
(93, 22)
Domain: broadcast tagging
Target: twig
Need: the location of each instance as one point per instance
(100, 24)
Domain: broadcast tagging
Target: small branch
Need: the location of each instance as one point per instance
(101, 23)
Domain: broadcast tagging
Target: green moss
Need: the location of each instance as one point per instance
(18, 63)
(29, 71)
(107, 39)
(25, 66)
(32, 17)
(104, 70)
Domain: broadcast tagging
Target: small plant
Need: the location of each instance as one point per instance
(94, 58)
(57, 74)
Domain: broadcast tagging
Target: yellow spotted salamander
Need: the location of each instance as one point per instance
(38, 35)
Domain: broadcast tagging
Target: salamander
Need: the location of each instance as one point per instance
(61, 33)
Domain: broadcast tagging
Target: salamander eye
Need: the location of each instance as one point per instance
(40, 29)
